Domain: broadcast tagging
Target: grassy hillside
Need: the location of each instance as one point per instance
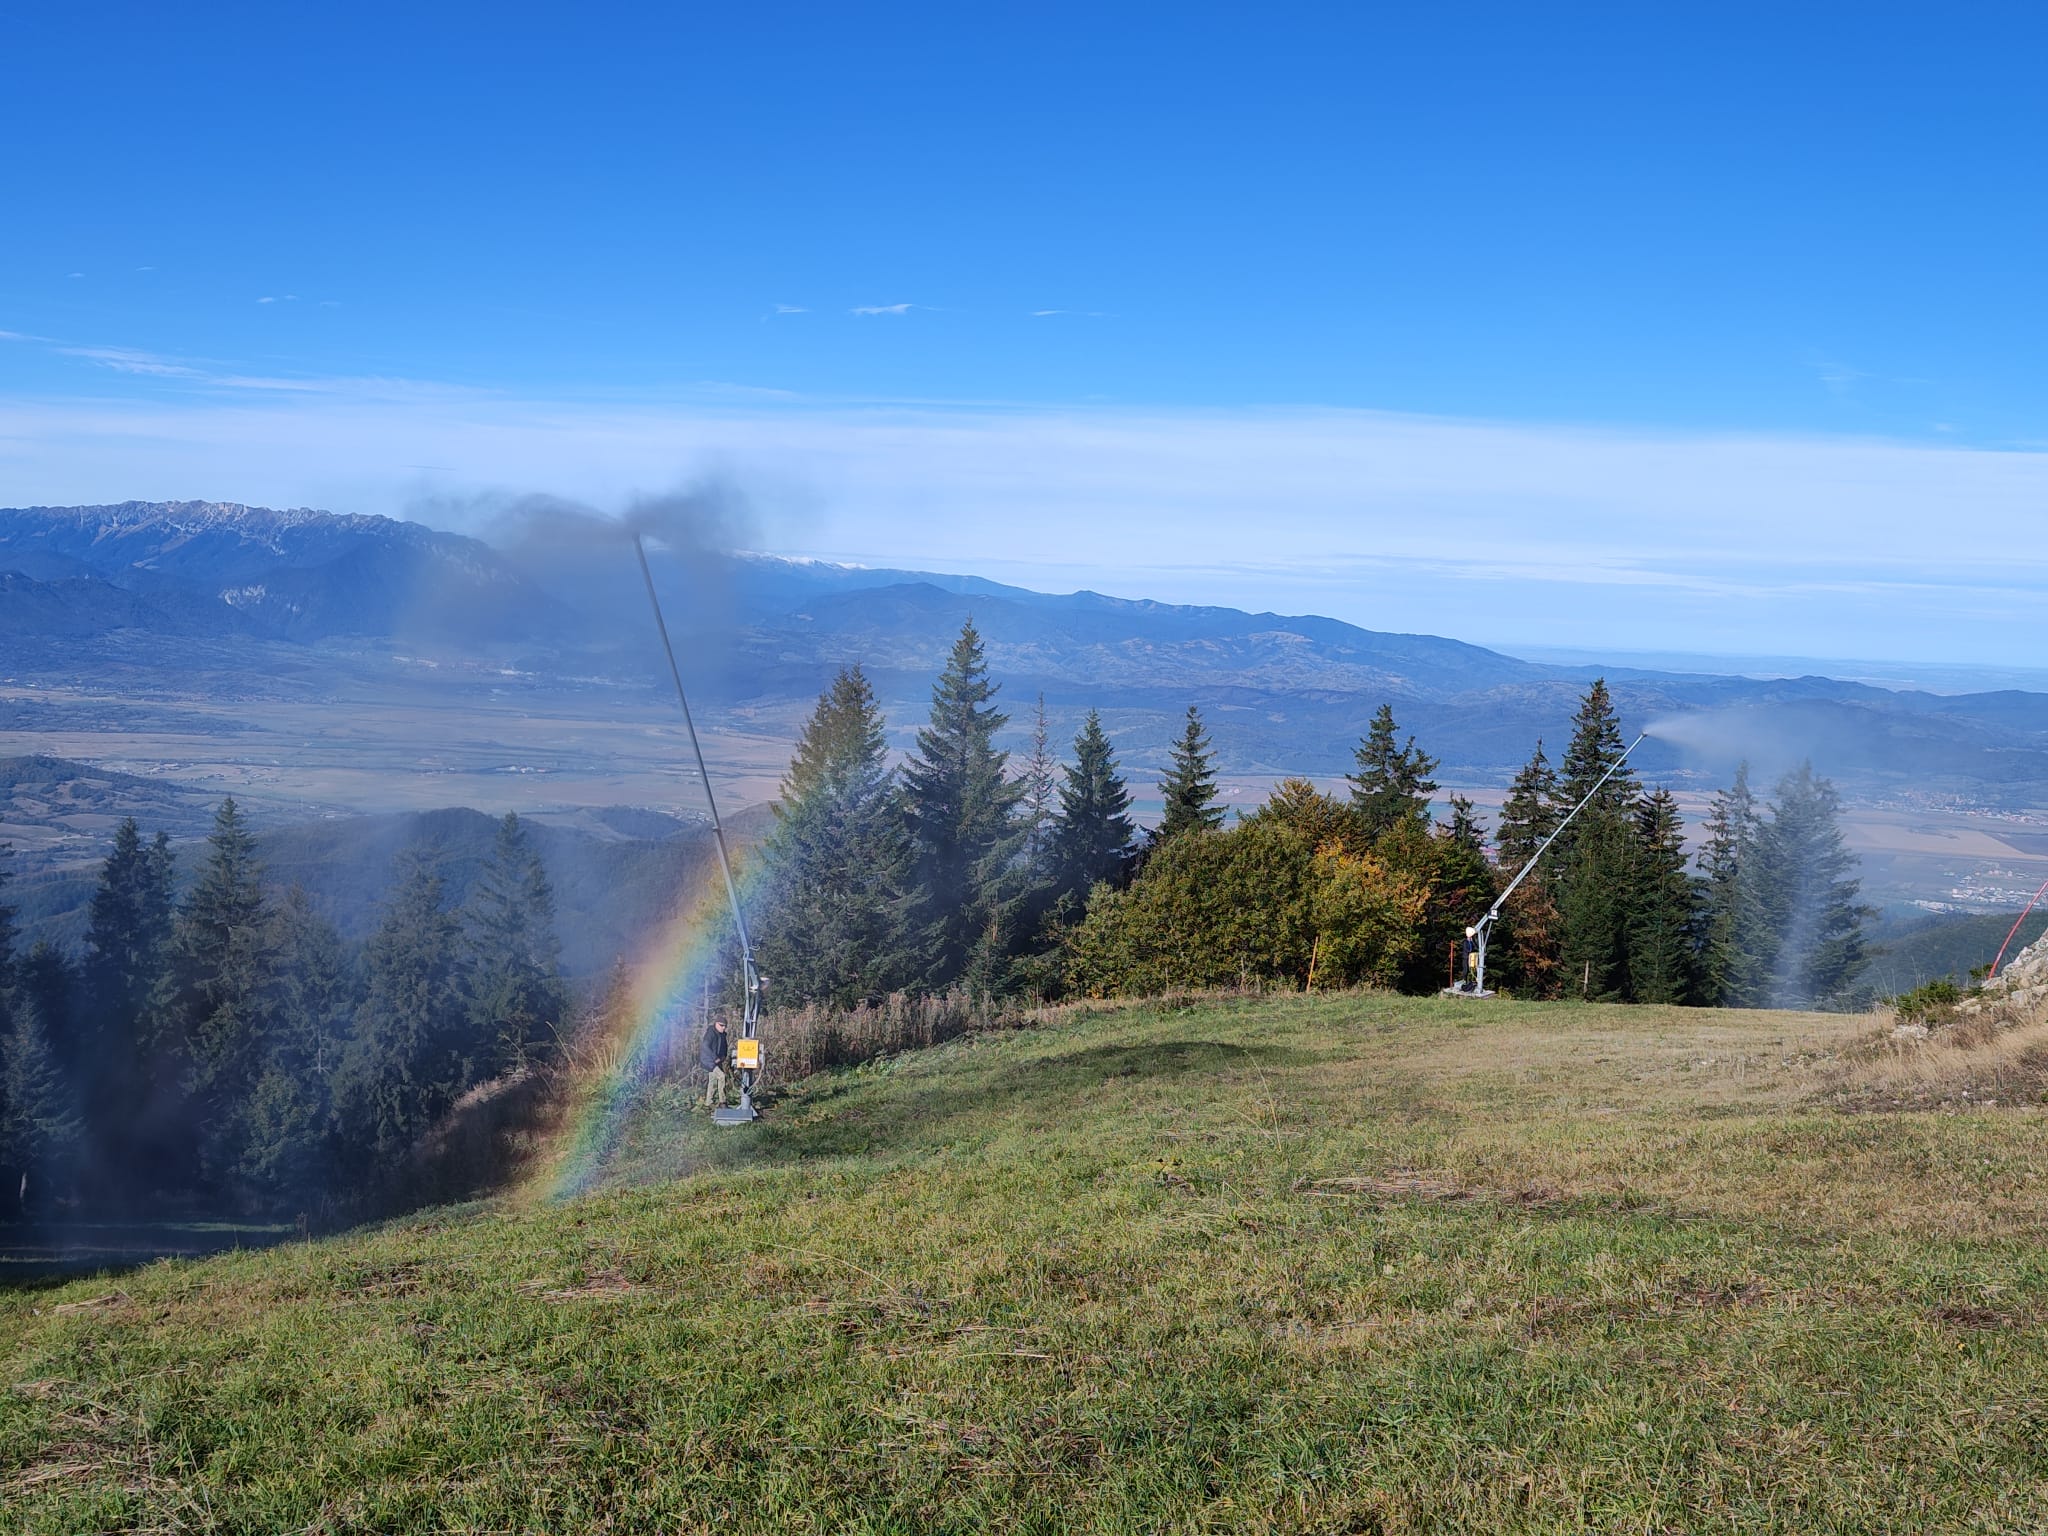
(1350, 1264)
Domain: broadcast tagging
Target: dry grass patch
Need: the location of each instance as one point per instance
(1992, 1056)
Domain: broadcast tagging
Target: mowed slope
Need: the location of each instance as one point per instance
(1332, 1264)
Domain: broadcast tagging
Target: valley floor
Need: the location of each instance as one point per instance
(1350, 1264)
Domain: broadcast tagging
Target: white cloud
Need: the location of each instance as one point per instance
(266, 300)
(886, 309)
(1565, 535)
(1085, 314)
(74, 274)
(790, 309)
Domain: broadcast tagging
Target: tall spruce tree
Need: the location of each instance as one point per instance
(1093, 832)
(1663, 910)
(216, 982)
(1529, 813)
(1464, 828)
(836, 926)
(1595, 854)
(1810, 890)
(962, 819)
(1038, 786)
(127, 956)
(1523, 954)
(1391, 785)
(406, 1062)
(519, 1002)
(1737, 947)
(1189, 788)
(288, 1131)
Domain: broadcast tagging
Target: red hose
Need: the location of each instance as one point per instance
(2015, 929)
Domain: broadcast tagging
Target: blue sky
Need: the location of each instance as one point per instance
(1717, 327)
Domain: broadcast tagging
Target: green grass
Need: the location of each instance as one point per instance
(1348, 1264)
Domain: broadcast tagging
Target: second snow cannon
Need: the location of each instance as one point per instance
(1473, 982)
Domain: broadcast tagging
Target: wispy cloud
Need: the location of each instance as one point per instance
(74, 274)
(266, 299)
(1084, 314)
(145, 269)
(1843, 379)
(131, 360)
(203, 374)
(887, 309)
(789, 309)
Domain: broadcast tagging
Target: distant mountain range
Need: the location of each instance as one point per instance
(214, 568)
(1281, 694)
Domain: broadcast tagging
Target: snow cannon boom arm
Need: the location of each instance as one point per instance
(1480, 929)
(749, 1060)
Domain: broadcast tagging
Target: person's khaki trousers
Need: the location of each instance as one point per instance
(714, 1088)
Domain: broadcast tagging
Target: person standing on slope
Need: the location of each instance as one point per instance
(711, 1057)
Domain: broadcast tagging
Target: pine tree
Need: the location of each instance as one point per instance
(1663, 911)
(1809, 891)
(288, 1116)
(519, 1002)
(1189, 788)
(1595, 748)
(1392, 784)
(1093, 833)
(127, 955)
(1038, 786)
(1529, 813)
(405, 1064)
(1737, 946)
(39, 1126)
(216, 980)
(1464, 827)
(1523, 952)
(1595, 854)
(836, 921)
(962, 819)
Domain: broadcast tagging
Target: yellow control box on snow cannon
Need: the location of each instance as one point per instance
(746, 1055)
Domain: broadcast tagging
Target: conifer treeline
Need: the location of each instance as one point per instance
(957, 872)
(229, 1052)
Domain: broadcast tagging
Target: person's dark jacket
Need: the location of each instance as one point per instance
(711, 1049)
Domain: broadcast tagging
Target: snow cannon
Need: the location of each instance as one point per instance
(1473, 982)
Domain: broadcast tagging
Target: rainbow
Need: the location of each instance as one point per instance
(650, 1035)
